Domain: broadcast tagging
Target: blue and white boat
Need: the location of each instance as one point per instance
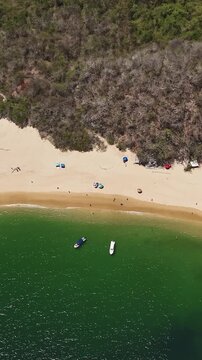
(80, 242)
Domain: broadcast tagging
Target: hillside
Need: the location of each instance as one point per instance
(128, 70)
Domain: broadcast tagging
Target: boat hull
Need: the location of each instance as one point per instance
(79, 243)
(112, 247)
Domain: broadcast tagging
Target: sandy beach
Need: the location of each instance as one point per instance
(38, 181)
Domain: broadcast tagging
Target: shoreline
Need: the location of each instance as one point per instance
(66, 200)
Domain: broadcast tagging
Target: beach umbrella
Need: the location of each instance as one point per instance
(125, 159)
(101, 186)
(167, 166)
(95, 184)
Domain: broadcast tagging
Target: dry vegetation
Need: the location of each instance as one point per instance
(128, 70)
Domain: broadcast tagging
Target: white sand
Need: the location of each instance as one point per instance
(37, 159)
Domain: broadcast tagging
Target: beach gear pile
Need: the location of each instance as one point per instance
(60, 165)
(98, 185)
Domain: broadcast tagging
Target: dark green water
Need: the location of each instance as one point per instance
(58, 303)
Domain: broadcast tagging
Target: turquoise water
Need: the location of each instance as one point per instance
(143, 303)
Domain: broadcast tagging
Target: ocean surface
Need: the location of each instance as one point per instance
(58, 303)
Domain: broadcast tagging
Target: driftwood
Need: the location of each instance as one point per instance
(16, 169)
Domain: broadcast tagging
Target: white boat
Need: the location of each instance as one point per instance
(112, 247)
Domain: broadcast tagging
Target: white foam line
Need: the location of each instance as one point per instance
(73, 207)
(25, 206)
(132, 212)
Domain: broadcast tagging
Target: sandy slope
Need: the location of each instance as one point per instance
(37, 159)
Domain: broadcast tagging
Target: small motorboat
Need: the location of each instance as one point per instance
(112, 247)
(80, 242)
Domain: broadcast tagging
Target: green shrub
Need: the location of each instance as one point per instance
(110, 139)
(166, 20)
(188, 168)
(74, 139)
(121, 146)
(3, 108)
(18, 110)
